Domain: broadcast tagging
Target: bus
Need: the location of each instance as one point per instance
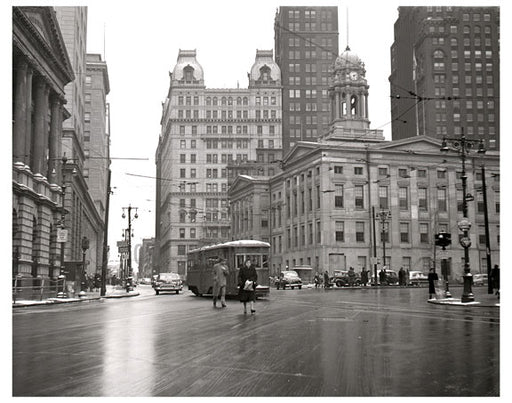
(201, 260)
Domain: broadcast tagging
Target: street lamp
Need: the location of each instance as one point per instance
(463, 146)
(85, 246)
(384, 216)
(129, 208)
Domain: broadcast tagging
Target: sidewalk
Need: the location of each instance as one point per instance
(482, 298)
(110, 292)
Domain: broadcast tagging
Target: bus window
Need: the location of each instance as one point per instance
(240, 259)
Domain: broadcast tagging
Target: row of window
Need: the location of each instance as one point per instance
(310, 26)
(307, 41)
(309, 80)
(310, 14)
(454, 29)
(310, 54)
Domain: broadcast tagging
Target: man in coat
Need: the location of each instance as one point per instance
(220, 273)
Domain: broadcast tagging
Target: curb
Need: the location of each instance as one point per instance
(57, 301)
(458, 302)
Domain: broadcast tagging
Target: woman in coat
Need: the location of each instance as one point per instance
(432, 278)
(247, 272)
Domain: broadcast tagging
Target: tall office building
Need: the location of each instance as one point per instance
(306, 45)
(445, 73)
(205, 135)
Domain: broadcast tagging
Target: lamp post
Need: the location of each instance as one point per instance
(129, 208)
(462, 145)
(384, 216)
(85, 246)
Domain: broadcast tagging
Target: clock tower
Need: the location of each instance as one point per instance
(349, 101)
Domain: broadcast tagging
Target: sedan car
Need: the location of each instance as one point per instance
(417, 278)
(479, 279)
(168, 282)
(289, 278)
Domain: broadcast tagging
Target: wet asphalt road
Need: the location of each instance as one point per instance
(309, 342)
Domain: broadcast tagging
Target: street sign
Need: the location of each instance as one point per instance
(123, 249)
(465, 242)
(62, 235)
(121, 244)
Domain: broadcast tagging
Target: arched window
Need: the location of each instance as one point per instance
(208, 101)
(188, 74)
(35, 236)
(343, 104)
(230, 101)
(438, 54)
(223, 101)
(215, 100)
(239, 101)
(246, 101)
(265, 74)
(354, 105)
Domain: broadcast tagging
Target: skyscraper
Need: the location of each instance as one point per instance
(206, 135)
(445, 73)
(306, 45)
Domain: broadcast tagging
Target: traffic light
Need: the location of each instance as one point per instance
(443, 239)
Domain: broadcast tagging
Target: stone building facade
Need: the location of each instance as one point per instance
(324, 208)
(41, 69)
(205, 132)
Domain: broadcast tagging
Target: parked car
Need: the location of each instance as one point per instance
(145, 280)
(417, 278)
(341, 278)
(166, 282)
(390, 279)
(479, 279)
(289, 278)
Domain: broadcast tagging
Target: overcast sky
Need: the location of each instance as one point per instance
(140, 41)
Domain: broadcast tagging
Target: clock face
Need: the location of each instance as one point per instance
(353, 75)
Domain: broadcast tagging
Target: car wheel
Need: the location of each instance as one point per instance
(292, 287)
(277, 286)
(177, 292)
(300, 287)
(157, 292)
(339, 283)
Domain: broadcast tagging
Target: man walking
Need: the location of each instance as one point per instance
(220, 273)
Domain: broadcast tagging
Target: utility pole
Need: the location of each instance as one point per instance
(487, 237)
(105, 240)
(129, 263)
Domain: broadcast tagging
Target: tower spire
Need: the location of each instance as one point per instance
(348, 47)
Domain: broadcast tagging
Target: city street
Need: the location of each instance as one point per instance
(309, 342)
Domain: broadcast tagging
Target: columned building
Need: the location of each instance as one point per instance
(41, 69)
(353, 199)
(208, 135)
(445, 73)
(306, 45)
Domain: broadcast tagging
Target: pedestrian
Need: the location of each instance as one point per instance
(401, 277)
(247, 282)
(351, 276)
(364, 276)
(495, 278)
(382, 276)
(317, 279)
(220, 273)
(326, 279)
(432, 278)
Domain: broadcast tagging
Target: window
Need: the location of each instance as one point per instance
(340, 231)
(182, 250)
(338, 169)
(358, 170)
(422, 173)
(441, 174)
(422, 198)
(441, 200)
(383, 198)
(404, 232)
(182, 232)
(383, 171)
(424, 238)
(403, 198)
(402, 173)
(338, 196)
(359, 197)
(359, 231)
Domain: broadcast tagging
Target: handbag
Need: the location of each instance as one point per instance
(249, 285)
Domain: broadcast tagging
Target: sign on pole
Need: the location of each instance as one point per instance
(62, 235)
